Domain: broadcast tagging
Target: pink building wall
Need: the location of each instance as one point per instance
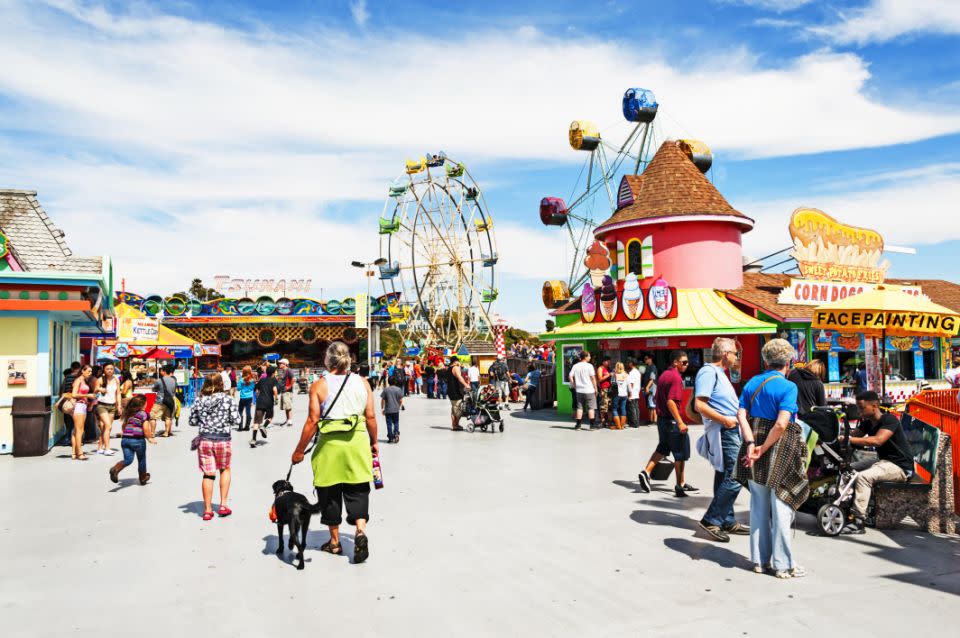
(690, 254)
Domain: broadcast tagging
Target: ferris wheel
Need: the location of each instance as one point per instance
(436, 237)
(594, 195)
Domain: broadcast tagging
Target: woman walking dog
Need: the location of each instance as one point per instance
(343, 457)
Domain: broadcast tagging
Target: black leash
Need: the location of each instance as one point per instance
(316, 435)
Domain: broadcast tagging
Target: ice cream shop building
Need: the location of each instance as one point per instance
(671, 245)
(666, 272)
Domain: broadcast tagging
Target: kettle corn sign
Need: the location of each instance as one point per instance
(827, 250)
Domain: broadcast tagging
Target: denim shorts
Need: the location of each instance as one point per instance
(672, 440)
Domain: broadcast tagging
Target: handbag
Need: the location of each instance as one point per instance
(345, 424)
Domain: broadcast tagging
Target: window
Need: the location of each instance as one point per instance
(635, 258)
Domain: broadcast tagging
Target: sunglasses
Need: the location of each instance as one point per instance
(684, 363)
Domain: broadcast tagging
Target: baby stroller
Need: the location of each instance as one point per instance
(483, 410)
(829, 468)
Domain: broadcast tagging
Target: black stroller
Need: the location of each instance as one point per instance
(483, 410)
(830, 472)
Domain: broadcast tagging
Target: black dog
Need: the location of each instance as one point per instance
(294, 510)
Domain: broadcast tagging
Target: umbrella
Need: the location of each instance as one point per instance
(157, 353)
(887, 312)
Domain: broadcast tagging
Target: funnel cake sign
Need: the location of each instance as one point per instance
(827, 250)
(626, 300)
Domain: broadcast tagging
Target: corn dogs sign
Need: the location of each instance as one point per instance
(827, 250)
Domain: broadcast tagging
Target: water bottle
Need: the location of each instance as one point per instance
(377, 472)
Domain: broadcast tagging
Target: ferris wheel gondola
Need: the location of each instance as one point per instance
(605, 164)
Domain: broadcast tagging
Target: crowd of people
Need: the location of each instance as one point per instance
(531, 351)
(755, 440)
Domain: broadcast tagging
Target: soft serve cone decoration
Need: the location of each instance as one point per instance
(632, 297)
(588, 303)
(597, 262)
(608, 298)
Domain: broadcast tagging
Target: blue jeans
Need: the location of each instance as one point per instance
(725, 488)
(619, 406)
(441, 390)
(431, 384)
(393, 423)
(770, 521)
(244, 409)
(138, 447)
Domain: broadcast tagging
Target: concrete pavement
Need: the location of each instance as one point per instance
(537, 531)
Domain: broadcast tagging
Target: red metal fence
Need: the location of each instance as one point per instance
(940, 409)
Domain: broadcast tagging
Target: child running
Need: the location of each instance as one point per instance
(136, 432)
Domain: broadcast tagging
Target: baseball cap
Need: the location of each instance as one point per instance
(285, 361)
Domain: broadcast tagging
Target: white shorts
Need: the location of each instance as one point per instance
(79, 408)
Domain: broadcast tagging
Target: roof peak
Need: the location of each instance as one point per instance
(670, 186)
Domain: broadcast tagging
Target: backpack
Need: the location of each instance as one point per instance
(169, 399)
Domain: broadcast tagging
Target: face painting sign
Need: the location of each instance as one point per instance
(914, 323)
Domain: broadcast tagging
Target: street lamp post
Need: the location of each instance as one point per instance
(368, 271)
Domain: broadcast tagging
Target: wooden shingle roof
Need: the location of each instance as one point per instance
(672, 186)
(761, 291)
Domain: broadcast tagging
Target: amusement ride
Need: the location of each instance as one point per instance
(595, 193)
(439, 252)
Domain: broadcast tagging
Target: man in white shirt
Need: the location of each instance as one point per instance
(583, 379)
(634, 385)
(473, 374)
(226, 378)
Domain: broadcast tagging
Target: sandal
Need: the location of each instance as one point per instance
(83, 457)
(225, 511)
(207, 516)
(361, 549)
(331, 548)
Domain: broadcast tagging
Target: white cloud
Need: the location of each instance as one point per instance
(885, 20)
(358, 9)
(771, 5)
(909, 208)
(161, 139)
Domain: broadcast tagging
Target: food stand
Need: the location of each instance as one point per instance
(884, 314)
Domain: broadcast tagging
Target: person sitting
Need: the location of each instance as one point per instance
(894, 460)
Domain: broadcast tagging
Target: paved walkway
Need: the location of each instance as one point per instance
(539, 531)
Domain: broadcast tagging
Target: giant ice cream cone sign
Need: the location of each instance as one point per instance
(597, 262)
(827, 250)
(608, 298)
(588, 303)
(632, 297)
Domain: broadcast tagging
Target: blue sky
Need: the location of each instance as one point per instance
(204, 138)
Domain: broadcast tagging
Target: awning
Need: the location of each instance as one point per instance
(165, 336)
(699, 312)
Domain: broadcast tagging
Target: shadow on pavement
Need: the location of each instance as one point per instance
(194, 507)
(534, 415)
(669, 519)
(124, 483)
(709, 551)
(314, 540)
(934, 558)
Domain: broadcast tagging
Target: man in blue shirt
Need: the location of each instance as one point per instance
(716, 401)
(861, 377)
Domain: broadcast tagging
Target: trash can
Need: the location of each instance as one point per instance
(31, 425)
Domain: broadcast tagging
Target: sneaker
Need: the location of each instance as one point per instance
(253, 444)
(679, 492)
(100, 452)
(738, 528)
(108, 452)
(576, 426)
(854, 528)
(644, 480)
(689, 488)
(263, 430)
(714, 531)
